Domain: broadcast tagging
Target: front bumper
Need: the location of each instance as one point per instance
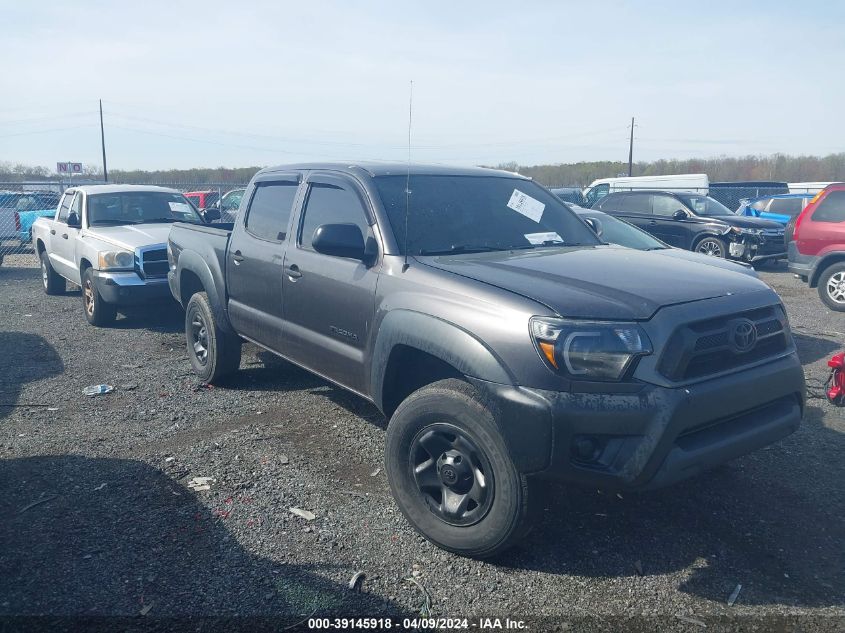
(753, 250)
(654, 436)
(128, 288)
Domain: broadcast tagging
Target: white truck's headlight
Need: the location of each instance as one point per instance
(124, 260)
(589, 350)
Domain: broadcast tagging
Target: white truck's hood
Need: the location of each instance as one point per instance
(131, 237)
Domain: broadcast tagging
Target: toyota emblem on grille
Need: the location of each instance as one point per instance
(743, 335)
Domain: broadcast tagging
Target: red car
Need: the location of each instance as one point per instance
(817, 250)
(203, 199)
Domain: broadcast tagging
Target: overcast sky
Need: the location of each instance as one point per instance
(207, 84)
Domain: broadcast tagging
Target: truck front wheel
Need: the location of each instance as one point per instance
(97, 311)
(212, 352)
(451, 474)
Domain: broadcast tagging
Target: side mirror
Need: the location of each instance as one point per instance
(210, 215)
(339, 240)
(594, 225)
(680, 214)
(73, 220)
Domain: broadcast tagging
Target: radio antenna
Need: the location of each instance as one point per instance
(408, 175)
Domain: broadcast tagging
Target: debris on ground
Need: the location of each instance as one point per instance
(305, 514)
(375, 472)
(145, 609)
(37, 502)
(690, 620)
(96, 390)
(203, 386)
(201, 483)
(734, 595)
(356, 581)
(169, 459)
(283, 459)
(100, 487)
(425, 607)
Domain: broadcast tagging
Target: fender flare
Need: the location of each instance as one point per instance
(193, 262)
(442, 339)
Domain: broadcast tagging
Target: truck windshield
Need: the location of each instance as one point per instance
(464, 214)
(140, 207)
(704, 205)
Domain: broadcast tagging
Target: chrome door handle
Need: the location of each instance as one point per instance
(237, 258)
(292, 271)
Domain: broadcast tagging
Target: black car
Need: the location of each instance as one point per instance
(698, 223)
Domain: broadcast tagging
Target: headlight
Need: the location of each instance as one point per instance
(585, 350)
(117, 259)
(743, 231)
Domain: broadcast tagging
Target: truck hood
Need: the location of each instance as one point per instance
(599, 282)
(131, 236)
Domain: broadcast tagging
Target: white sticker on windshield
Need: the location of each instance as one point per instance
(526, 205)
(179, 207)
(541, 238)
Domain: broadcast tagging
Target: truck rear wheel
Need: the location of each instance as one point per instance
(451, 474)
(212, 352)
(51, 281)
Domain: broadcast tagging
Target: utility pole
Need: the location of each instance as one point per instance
(103, 144)
(630, 147)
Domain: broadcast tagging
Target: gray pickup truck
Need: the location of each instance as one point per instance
(504, 341)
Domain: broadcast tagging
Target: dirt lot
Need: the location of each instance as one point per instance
(98, 518)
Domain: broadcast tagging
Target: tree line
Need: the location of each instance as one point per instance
(780, 167)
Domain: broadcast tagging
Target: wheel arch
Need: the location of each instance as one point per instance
(822, 265)
(194, 272)
(434, 349)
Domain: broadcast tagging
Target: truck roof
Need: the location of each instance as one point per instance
(386, 168)
(91, 189)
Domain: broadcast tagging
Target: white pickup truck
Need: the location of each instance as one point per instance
(112, 241)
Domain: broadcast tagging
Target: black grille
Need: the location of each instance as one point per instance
(704, 348)
(154, 263)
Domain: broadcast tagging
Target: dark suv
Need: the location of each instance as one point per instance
(698, 223)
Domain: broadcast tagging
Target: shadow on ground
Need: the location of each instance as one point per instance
(773, 522)
(109, 537)
(27, 358)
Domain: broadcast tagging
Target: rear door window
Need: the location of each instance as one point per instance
(269, 210)
(831, 208)
(637, 202)
(666, 206)
(65, 207)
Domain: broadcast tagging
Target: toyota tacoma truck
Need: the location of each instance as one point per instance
(506, 344)
(110, 240)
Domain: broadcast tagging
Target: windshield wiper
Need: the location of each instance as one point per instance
(115, 221)
(462, 249)
(154, 220)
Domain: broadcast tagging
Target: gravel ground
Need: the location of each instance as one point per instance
(99, 520)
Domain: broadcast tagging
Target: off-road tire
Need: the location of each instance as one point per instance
(52, 282)
(213, 353)
(453, 403)
(97, 311)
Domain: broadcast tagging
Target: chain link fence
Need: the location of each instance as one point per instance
(21, 203)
